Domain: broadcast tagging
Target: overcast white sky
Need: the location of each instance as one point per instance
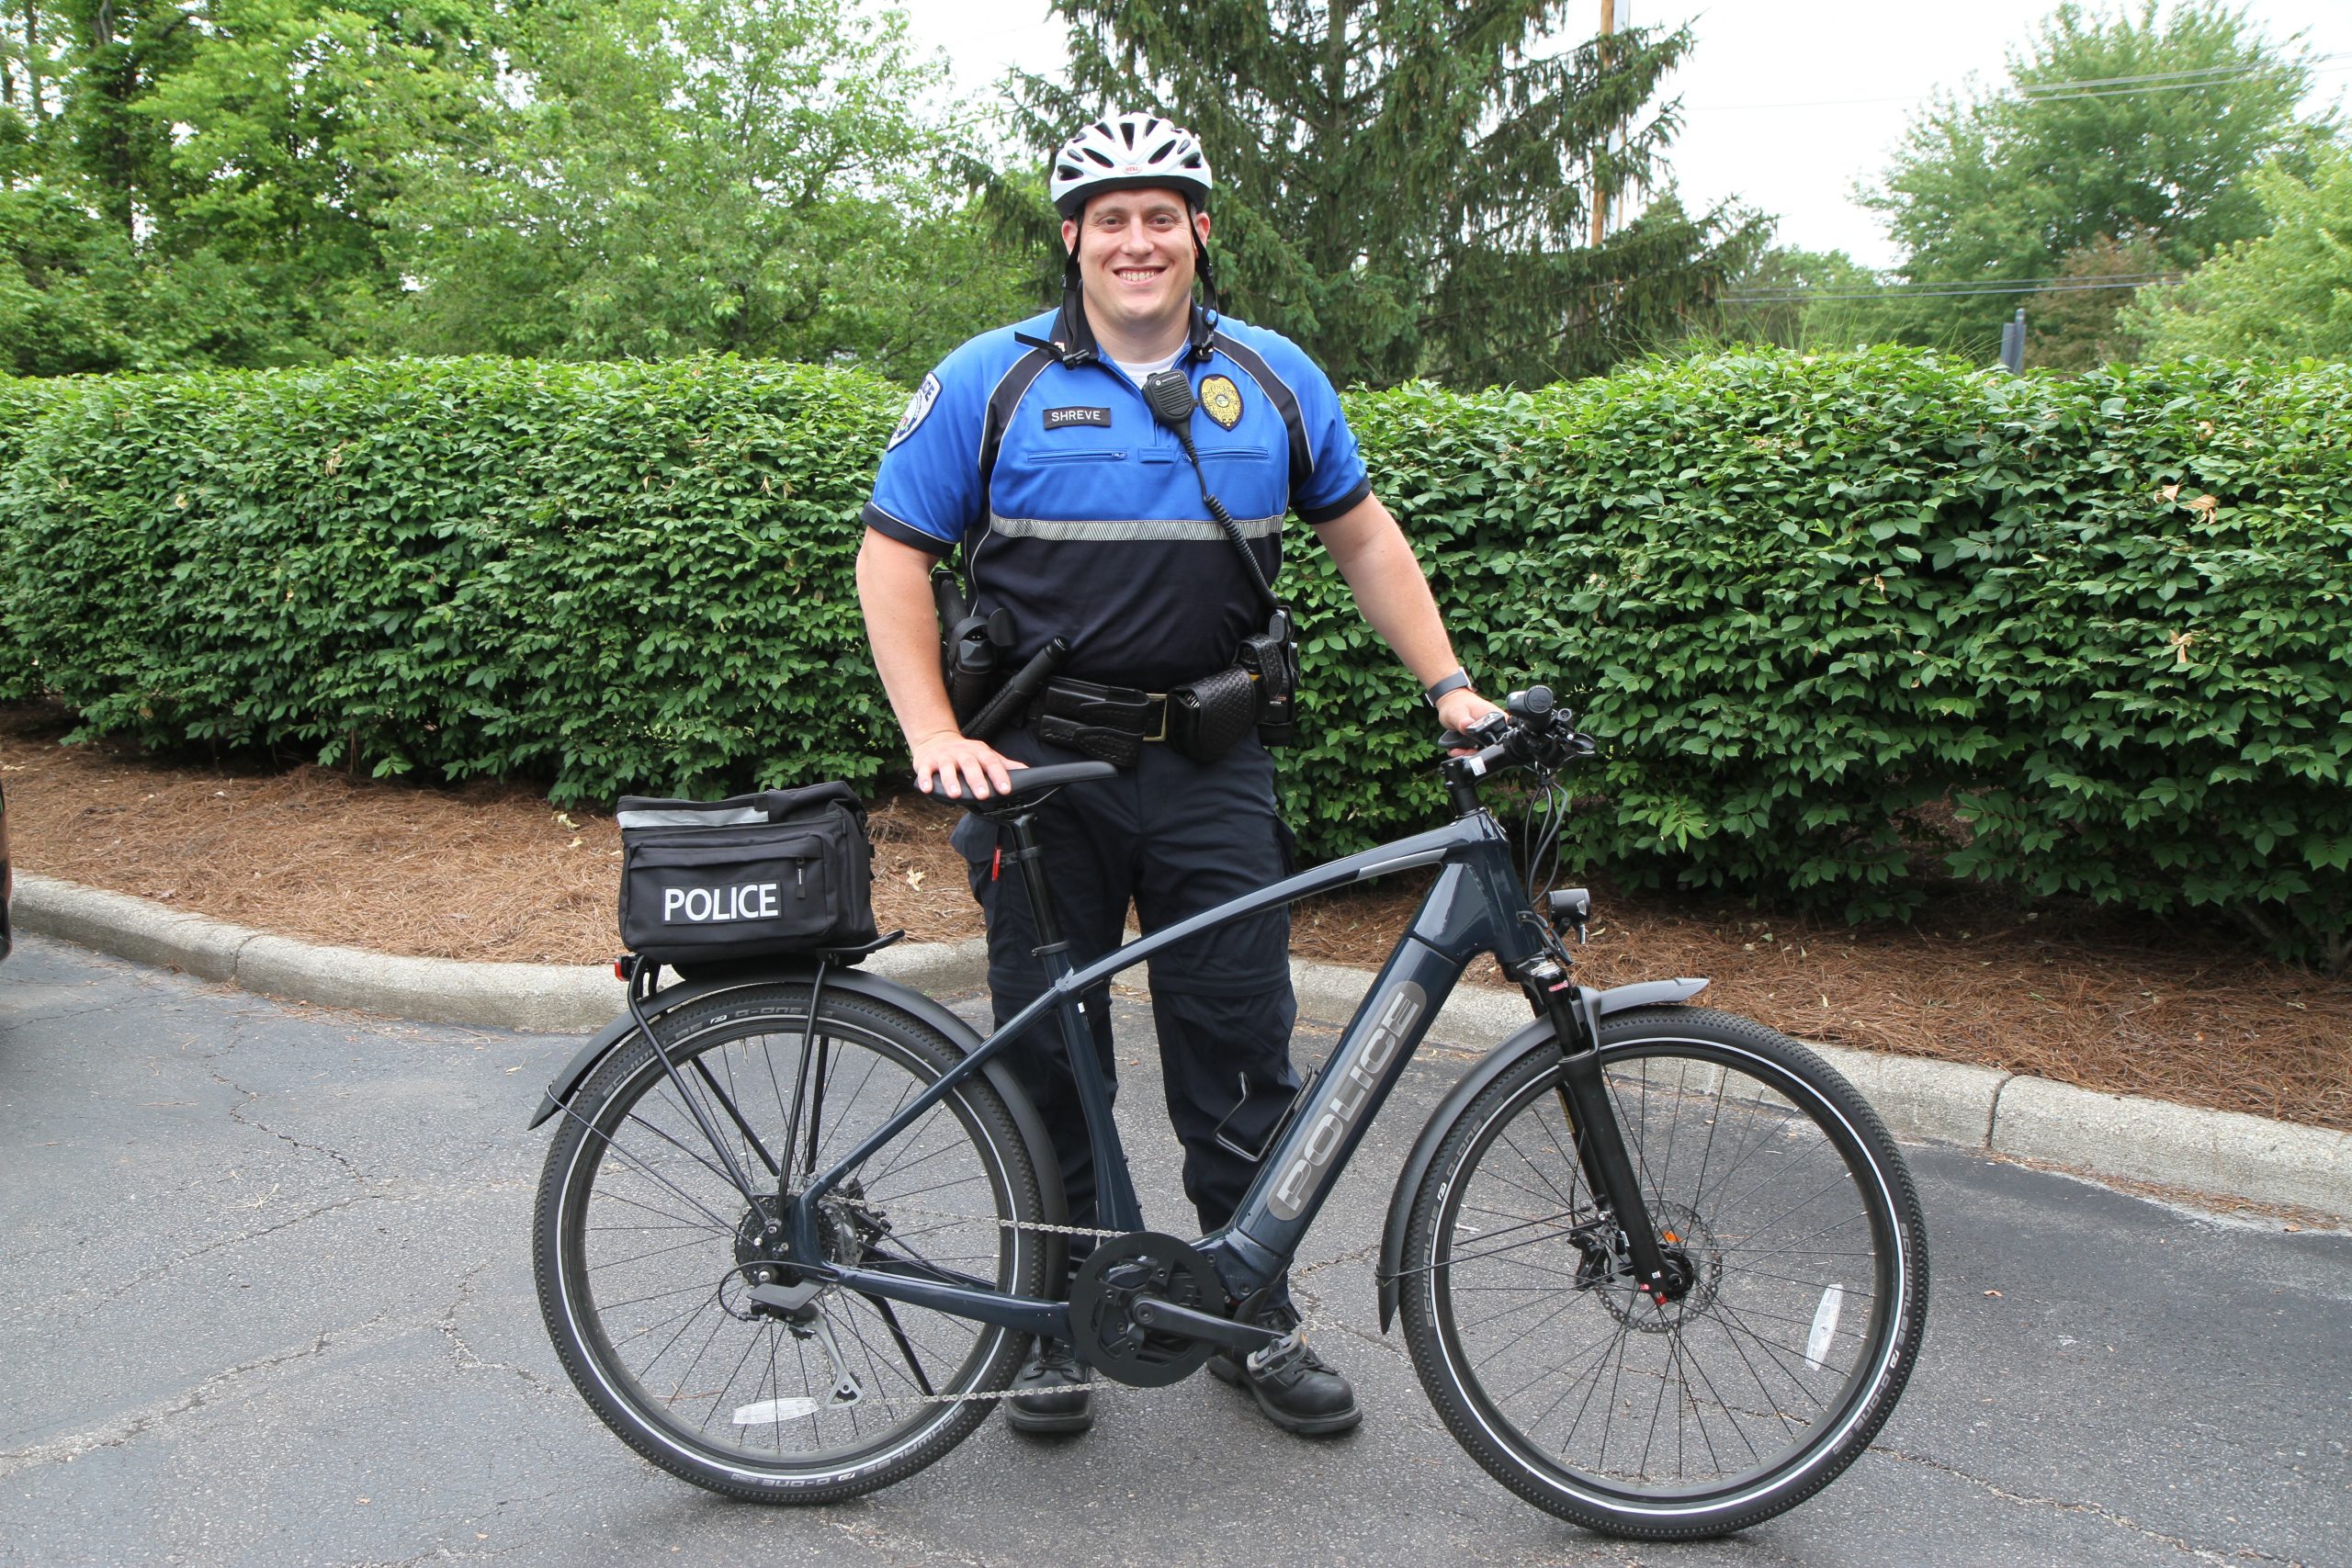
(1786, 105)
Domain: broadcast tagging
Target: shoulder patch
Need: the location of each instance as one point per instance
(1221, 400)
(918, 406)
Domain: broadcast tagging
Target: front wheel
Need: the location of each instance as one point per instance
(1787, 1209)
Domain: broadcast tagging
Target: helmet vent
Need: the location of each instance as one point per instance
(1127, 152)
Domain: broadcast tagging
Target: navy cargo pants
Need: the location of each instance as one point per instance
(1177, 837)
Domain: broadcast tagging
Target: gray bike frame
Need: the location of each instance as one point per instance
(1476, 906)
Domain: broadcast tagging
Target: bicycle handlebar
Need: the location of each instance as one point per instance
(1533, 731)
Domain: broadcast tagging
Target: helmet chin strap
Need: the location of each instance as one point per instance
(1208, 277)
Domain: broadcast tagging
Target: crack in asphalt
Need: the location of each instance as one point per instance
(470, 1359)
(875, 1539)
(1358, 1255)
(1316, 1320)
(159, 1270)
(237, 1114)
(2061, 1505)
(65, 1450)
(53, 1015)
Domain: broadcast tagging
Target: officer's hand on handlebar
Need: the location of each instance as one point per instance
(961, 765)
(1535, 732)
(1462, 712)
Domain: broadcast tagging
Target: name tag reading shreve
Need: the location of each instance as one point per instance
(1057, 419)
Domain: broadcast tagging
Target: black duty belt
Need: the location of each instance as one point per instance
(1103, 721)
(1201, 719)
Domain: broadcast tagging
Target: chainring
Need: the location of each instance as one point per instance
(1141, 1263)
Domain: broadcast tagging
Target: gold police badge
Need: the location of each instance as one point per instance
(1221, 400)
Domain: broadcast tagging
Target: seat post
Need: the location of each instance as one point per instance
(1051, 949)
(1114, 1194)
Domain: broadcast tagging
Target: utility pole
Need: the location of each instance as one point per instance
(1599, 191)
(2013, 343)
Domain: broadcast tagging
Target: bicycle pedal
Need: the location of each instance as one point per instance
(1275, 1354)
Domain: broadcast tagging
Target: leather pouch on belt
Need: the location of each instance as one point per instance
(1207, 716)
(1118, 748)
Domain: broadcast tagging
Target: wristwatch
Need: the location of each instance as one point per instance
(1457, 681)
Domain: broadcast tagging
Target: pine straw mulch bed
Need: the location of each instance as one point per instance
(491, 872)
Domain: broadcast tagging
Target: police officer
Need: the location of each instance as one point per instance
(1034, 448)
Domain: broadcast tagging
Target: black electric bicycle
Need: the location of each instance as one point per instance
(1661, 1270)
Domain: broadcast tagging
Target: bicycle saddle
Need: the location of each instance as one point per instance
(1032, 785)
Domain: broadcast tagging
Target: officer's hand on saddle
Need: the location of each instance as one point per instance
(960, 765)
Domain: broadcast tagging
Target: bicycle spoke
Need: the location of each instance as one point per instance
(1736, 1376)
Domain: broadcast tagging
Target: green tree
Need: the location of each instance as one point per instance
(2284, 296)
(1405, 187)
(208, 181)
(661, 178)
(67, 279)
(1794, 299)
(2121, 129)
(2076, 325)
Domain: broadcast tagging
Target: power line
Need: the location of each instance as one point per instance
(2238, 70)
(2045, 92)
(2135, 92)
(2001, 282)
(1901, 291)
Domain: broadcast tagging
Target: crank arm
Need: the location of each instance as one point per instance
(1169, 1318)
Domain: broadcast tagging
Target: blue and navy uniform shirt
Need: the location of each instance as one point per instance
(1078, 510)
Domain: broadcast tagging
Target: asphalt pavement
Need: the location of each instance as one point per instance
(265, 1298)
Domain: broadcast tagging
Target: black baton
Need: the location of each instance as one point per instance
(1018, 691)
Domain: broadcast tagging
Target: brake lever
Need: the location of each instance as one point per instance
(1487, 732)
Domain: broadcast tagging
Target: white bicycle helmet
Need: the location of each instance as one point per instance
(1128, 151)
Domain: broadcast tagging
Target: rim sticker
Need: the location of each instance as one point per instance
(917, 407)
(1221, 400)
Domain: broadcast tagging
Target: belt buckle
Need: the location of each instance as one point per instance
(1161, 698)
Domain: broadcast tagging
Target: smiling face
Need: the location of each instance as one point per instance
(1134, 263)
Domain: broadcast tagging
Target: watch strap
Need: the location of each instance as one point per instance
(1457, 681)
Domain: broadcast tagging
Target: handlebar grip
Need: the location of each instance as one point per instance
(1535, 707)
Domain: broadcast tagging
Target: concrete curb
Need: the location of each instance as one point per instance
(2118, 1135)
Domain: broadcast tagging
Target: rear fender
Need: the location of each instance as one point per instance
(856, 983)
(1535, 1037)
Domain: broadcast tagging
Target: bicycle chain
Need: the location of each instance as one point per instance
(1097, 1384)
(1006, 1225)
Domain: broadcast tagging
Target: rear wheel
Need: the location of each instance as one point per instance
(646, 1252)
(1778, 1194)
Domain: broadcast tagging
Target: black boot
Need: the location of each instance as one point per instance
(1295, 1389)
(1051, 1393)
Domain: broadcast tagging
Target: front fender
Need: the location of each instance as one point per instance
(837, 979)
(1535, 1037)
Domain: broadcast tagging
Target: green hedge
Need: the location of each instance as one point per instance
(605, 577)
(1806, 601)
(1829, 615)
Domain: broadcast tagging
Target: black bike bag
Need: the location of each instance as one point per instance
(781, 872)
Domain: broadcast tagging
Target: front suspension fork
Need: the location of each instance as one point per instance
(1592, 1121)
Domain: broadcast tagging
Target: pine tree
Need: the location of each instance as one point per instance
(1404, 186)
